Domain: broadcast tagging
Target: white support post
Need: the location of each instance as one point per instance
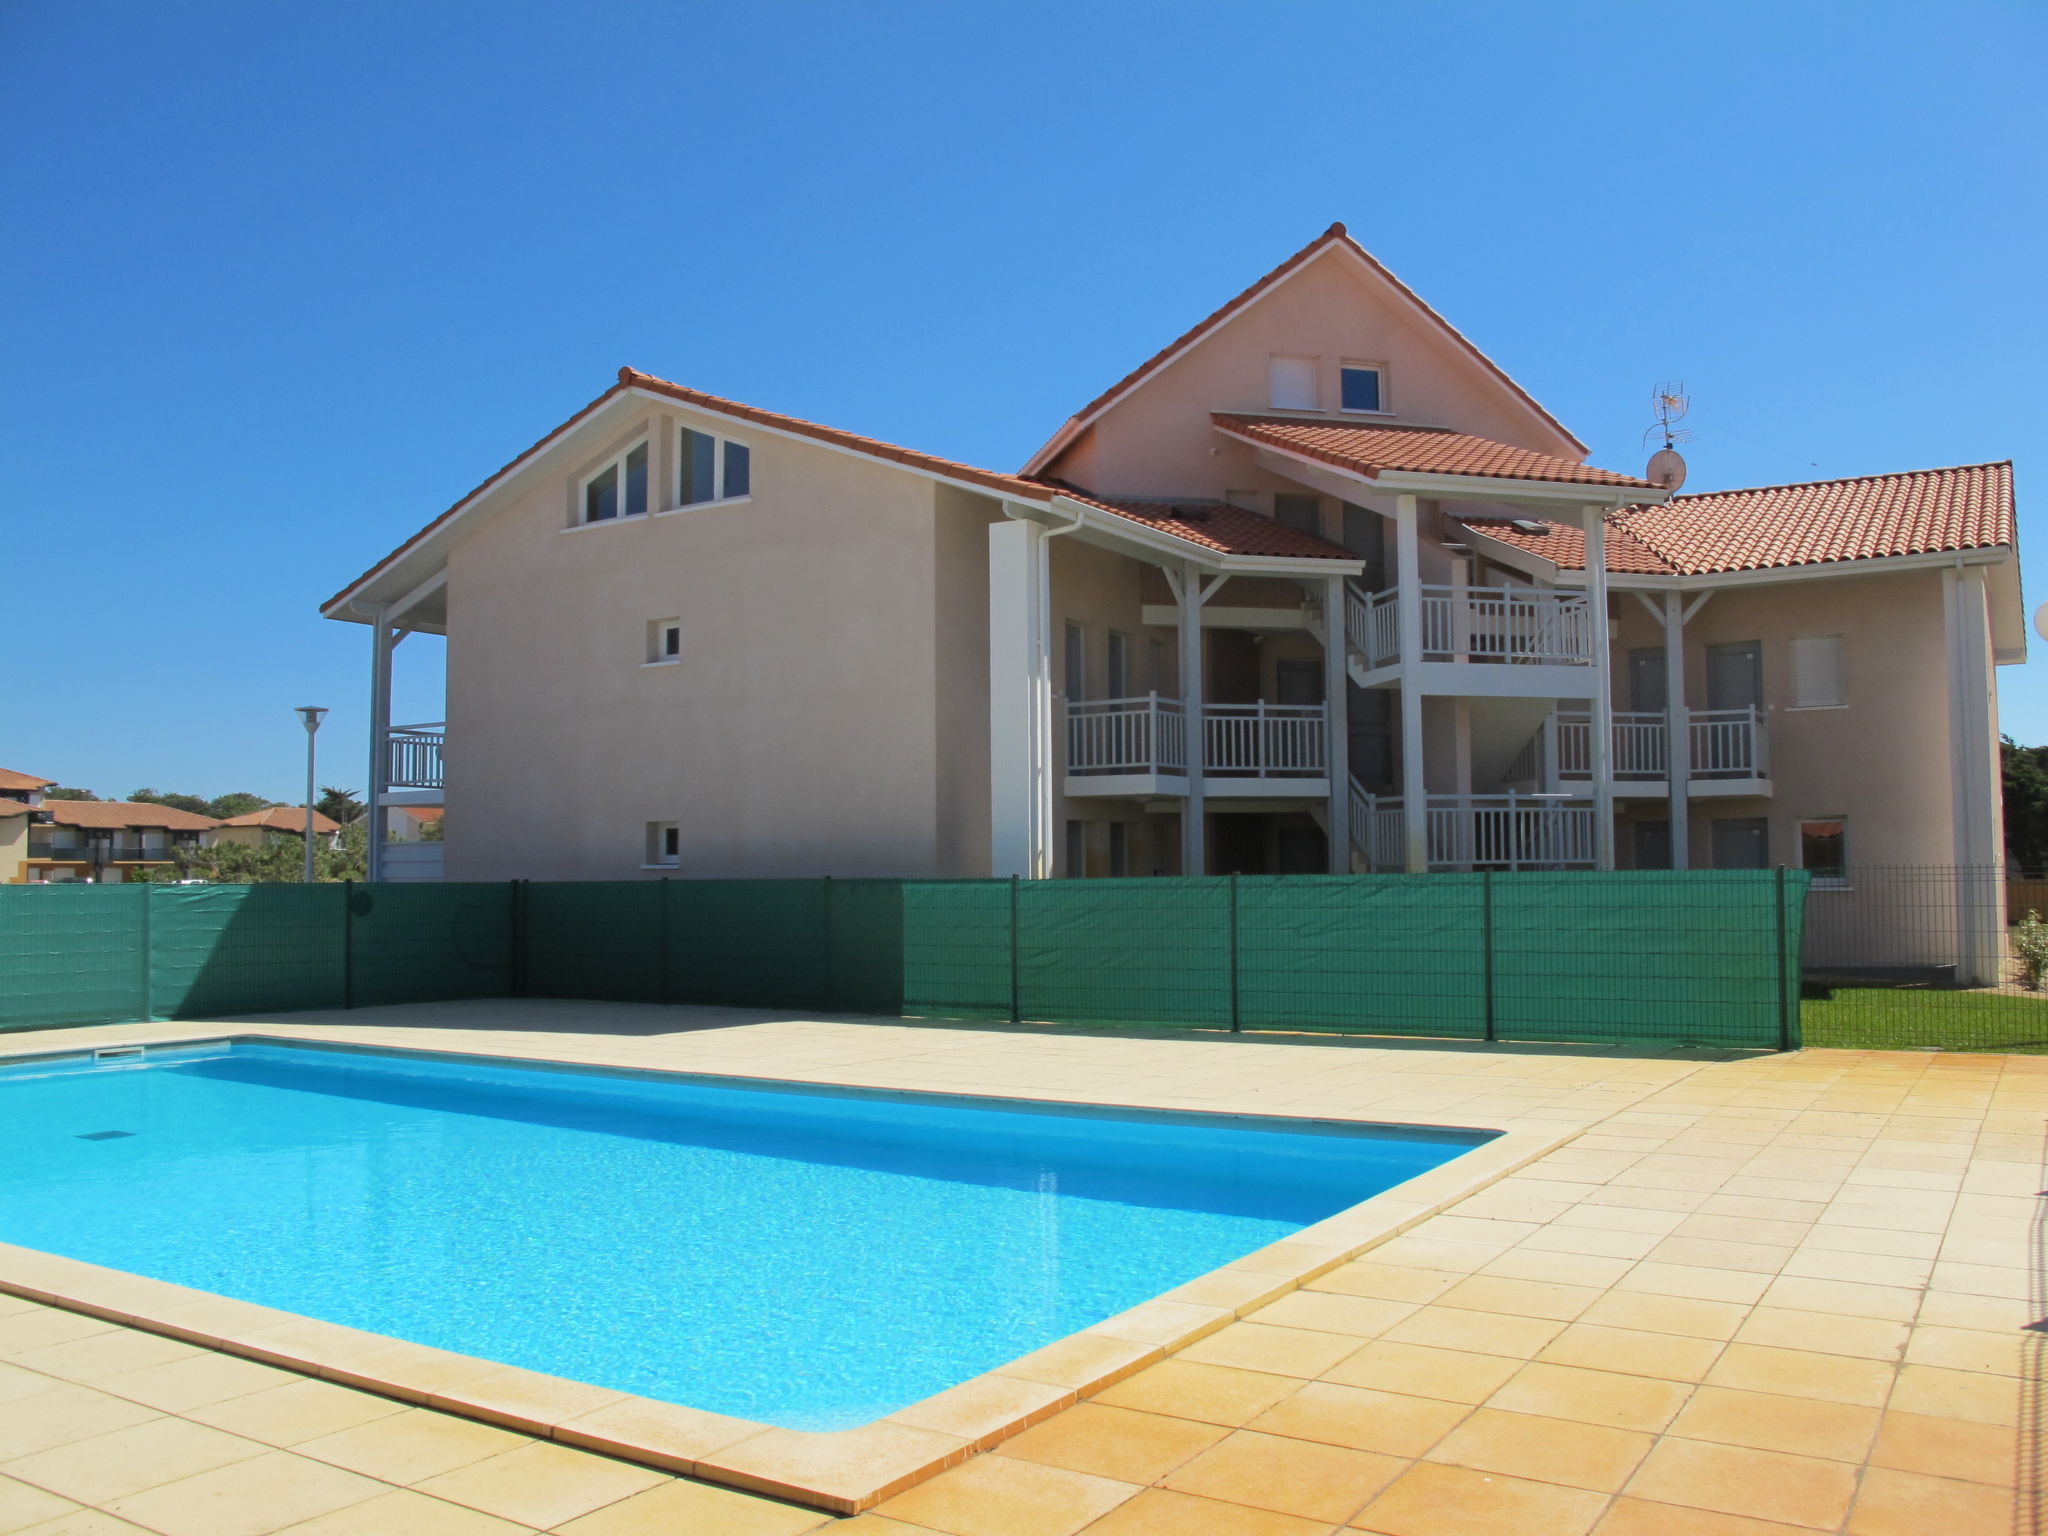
(1974, 777)
(1337, 724)
(1408, 578)
(1601, 747)
(1194, 843)
(1014, 718)
(380, 737)
(1677, 730)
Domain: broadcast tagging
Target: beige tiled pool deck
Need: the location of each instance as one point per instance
(1748, 1297)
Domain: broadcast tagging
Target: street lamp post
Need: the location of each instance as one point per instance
(312, 715)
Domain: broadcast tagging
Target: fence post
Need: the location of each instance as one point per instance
(1784, 1003)
(1236, 1022)
(148, 952)
(831, 959)
(348, 943)
(663, 992)
(1016, 994)
(1486, 942)
(516, 890)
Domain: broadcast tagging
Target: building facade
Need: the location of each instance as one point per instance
(1316, 588)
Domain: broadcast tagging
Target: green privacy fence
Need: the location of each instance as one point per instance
(1693, 958)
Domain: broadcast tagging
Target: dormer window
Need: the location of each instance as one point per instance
(711, 469)
(619, 489)
(1293, 383)
(1363, 388)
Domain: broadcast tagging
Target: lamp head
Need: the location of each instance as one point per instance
(311, 715)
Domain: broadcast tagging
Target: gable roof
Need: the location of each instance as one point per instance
(9, 779)
(1421, 450)
(283, 818)
(1215, 525)
(1816, 522)
(1336, 236)
(103, 814)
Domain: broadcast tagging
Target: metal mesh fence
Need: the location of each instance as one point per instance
(1647, 959)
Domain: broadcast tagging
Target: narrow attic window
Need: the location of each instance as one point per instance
(619, 489)
(711, 469)
(1293, 381)
(1361, 388)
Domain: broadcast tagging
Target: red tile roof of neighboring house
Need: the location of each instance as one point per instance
(1214, 525)
(284, 818)
(9, 779)
(424, 813)
(123, 813)
(1420, 450)
(1336, 234)
(1870, 517)
(16, 807)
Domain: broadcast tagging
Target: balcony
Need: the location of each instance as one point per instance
(1139, 747)
(1514, 627)
(100, 852)
(1477, 832)
(1730, 752)
(413, 755)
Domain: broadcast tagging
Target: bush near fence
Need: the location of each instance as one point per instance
(1646, 959)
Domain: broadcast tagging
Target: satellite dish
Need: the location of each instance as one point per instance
(2041, 621)
(1667, 472)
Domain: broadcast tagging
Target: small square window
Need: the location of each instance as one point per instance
(1293, 383)
(664, 641)
(738, 470)
(1824, 849)
(664, 844)
(1360, 388)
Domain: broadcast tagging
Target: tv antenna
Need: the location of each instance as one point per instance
(1671, 404)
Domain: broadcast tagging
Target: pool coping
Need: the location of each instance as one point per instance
(841, 1471)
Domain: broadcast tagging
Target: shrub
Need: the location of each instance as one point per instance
(2030, 948)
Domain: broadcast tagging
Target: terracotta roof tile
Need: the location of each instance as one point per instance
(1420, 450)
(1870, 517)
(284, 818)
(1336, 234)
(17, 807)
(123, 813)
(9, 779)
(1214, 525)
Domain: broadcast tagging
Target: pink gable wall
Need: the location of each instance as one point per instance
(1156, 440)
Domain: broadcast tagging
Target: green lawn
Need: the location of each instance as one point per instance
(1904, 1018)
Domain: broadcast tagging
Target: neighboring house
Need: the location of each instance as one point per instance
(412, 836)
(106, 840)
(277, 823)
(760, 646)
(412, 823)
(20, 795)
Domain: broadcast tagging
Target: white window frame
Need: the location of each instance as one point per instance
(616, 462)
(655, 854)
(1824, 882)
(1314, 366)
(1841, 699)
(1344, 365)
(658, 653)
(720, 442)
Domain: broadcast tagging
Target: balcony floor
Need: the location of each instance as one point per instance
(1175, 785)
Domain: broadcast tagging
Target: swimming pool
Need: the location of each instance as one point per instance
(805, 1257)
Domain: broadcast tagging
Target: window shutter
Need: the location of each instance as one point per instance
(1294, 383)
(1817, 671)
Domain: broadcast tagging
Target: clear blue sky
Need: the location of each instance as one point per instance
(283, 281)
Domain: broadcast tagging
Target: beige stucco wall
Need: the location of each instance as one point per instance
(13, 847)
(833, 624)
(1882, 761)
(1158, 439)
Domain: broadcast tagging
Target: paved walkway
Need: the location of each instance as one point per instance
(1760, 1297)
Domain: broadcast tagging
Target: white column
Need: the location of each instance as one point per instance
(1408, 579)
(1677, 730)
(380, 737)
(1013, 706)
(1194, 855)
(1974, 776)
(1601, 753)
(1337, 724)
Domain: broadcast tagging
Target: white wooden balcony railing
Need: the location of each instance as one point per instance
(1464, 832)
(413, 755)
(1725, 744)
(1149, 735)
(1519, 625)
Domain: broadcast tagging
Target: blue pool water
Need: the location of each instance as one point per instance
(809, 1258)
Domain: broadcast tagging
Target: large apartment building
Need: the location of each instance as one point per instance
(1318, 587)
